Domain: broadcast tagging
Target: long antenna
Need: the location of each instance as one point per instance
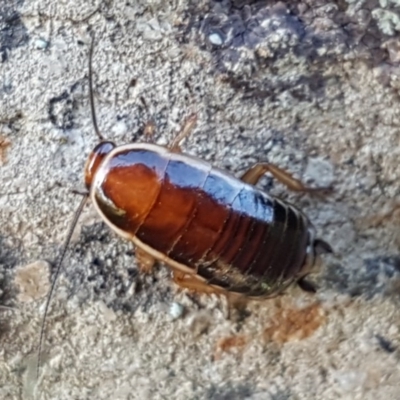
(91, 97)
(58, 270)
(77, 214)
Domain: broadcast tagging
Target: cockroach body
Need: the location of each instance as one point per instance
(217, 232)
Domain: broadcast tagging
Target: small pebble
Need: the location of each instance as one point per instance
(120, 128)
(215, 39)
(41, 44)
(176, 310)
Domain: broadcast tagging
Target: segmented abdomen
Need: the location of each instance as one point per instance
(231, 233)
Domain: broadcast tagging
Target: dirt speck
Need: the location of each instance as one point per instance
(199, 323)
(229, 344)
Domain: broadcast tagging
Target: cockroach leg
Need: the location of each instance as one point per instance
(190, 282)
(321, 247)
(237, 305)
(145, 261)
(235, 302)
(183, 133)
(253, 175)
(149, 131)
(306, 285)
(80, 192)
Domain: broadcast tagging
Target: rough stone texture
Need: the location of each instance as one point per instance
(311, 85)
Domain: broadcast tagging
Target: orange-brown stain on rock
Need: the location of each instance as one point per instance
(289, 324)
(4, 144)
(229, 343)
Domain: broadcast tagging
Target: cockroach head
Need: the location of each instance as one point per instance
(95, 159)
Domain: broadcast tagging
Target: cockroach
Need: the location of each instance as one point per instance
(218, 233)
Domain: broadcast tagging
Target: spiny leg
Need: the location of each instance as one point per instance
(150, 128)
(149, 131)
(253, 175)
(145, 261)
(190, 282)
(183, 133)
(235, 302)
(237, 306)
(319, 247)
(322, 247)
(306, 285)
